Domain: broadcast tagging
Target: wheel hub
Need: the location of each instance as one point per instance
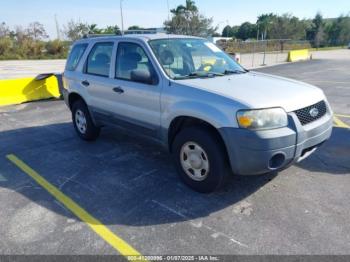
(80, 121)
(194, 161)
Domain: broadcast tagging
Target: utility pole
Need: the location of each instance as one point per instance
(57, 28)
(121, 15)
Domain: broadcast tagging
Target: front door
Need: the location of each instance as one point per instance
(137, 102)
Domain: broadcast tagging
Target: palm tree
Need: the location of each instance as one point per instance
(189, 7)
(264, 21)
(93, 29)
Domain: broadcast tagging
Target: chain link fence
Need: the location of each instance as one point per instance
(252, 54)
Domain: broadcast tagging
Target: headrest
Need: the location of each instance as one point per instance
(132, 56)
(102, 58)
(167, 57)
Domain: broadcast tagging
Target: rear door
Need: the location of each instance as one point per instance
(98, 80)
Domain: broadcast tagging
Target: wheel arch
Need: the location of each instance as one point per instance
(183, 121)
(74, 97)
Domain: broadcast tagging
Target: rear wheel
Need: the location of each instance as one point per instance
(200, 159)
(82, 121)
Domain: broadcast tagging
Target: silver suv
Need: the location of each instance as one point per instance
(214, 116)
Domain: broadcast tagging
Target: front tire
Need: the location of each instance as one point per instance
(82, 121)
(200, 159)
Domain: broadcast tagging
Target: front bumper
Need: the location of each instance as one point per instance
(258, 152)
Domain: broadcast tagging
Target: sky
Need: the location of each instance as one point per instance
(153, 13)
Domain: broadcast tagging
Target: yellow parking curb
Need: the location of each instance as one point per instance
(298, 55)
(17, 91)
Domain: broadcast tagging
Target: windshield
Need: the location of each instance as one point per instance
(191, 58)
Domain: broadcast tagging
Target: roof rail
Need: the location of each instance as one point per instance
(141, 31)
(98, 35)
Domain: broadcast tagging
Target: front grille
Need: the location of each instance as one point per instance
(310, 114)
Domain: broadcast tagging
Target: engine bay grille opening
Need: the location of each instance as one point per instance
(311, 113)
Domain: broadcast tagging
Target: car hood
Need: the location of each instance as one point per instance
(257, 90)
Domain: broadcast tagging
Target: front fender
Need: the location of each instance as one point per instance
(198, 110)
(202, 111)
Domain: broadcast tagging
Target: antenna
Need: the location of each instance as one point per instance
(57, 28)
(121, 15)
(167, 1)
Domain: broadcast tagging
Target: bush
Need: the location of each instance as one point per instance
(57, 48)
(5, 46)
(28, 48)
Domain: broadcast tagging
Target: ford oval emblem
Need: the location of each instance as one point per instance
(314, 112)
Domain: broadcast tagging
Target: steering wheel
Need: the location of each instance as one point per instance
(206, 67)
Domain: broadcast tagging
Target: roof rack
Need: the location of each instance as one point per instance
(141, 31)
(129, 32)
(98, 35)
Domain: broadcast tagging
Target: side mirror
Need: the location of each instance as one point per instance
(142, 76)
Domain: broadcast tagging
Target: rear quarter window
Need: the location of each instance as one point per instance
(75, 56)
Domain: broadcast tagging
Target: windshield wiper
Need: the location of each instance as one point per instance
(204, 74)
(199, 74)
(231, 72)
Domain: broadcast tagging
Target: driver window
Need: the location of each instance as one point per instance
(131, 56)
(174, 59)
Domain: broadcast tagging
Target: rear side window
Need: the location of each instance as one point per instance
(75, 56)
(99, 59)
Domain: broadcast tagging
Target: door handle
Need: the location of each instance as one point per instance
(85, 83)
(118, 90)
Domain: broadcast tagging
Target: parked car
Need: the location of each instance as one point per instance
(214, 117)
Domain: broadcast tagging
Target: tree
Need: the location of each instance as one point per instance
(75, 30)
(36, 31)
(344, 32)
(190, 6)
(227, 32)
(339, 31)
(4, 30)
(5, 45)
(287, 27)
(316, 32)
(111, 30)
(230, 31)
(263, 23)
(135, 27)
(56, 48)
(93, 29)
(20, 34)
(246, 31)
(319, 37)
(187, 20)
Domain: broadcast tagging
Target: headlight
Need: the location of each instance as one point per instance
(262, 118)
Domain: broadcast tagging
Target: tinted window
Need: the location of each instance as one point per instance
(99, 60)
(75, 56)
(131, 57)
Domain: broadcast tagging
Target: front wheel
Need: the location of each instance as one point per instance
(82, 121)
(200, 159)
